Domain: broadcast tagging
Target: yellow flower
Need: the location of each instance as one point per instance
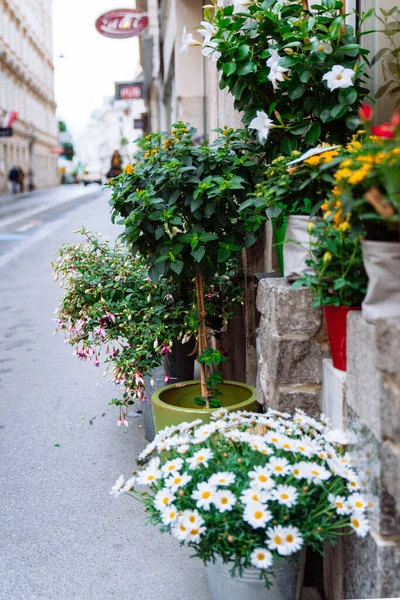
(337, 219)
(148, 137)
(147, 154)
(359, 175)
(327, 157)
(154, 151)
(291, 170)
(327, 257)
(337, 191)
(295, 153)
(129, 169)
(354, 146)
(380, 157)
(313, 161)
(327, 214)
(347, 163)
(344, 226)
(310, 227)
(342, 174)
(396, 151)
(226, 131)
(376, 139)
(324, 206)
(338, 203)
(365, 158)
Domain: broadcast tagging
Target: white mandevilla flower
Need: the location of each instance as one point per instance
(285, 494)
(163, 498)
(172, 466)
(204, 495)
(338, 78)
(169, 514)
(241, 6)
(224, 500)
(262, 123)
(222, 478)
(360, 524)
(188, 40)
(285, 540)
(201, 457)
(339, 503)
(256, 514)
(208, 30)
(321, 46)
(261, 558)
(277, 73)
(177, 481)
(261, 476)
(117, 488)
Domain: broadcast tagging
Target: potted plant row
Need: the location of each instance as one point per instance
(248, 493)
(180, 208)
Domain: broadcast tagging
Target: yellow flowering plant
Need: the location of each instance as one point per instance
(368, 182)
(338, 276)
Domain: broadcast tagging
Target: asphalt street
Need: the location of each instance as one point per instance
(62, 536)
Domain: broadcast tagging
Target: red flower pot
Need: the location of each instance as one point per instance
(336, 318)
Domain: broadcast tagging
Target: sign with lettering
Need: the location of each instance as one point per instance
(132, 90)
(122, 23)
(5, 132)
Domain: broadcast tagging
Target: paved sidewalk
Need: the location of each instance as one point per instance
(63, 537)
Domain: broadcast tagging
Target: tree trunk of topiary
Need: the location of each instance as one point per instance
(202, 336)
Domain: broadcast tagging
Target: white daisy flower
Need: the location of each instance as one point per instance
(340, 504)
(257, 443)
(222, 478)
(285, 494)
(172, 466)
(195, 533)
(180, 531)
(272, 437)
(203, 433)
(256, 514)
(148, 476)
(177, 481)
(191, 518)
(163, 498)
(255, 494)
(220, 413)
(169, 514)
(317, 474)
(129, 485)
(354, 484)
(204, 495)
(117, 488)
(357, 503)
(338, 436)
(261, 476)
(300, 470)
(183, 449)
(293, 540)
(276, 539)
(288, 444)
(261, 558)
(278, 466)
(224, 500)
(201, 457)
(185, 426)
(360, 524)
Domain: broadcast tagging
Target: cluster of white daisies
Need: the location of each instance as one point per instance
(288, 457)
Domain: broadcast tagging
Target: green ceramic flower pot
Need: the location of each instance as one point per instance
(174, 404)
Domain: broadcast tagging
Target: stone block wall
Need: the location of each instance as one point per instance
(293, 371)
(291, 345)
(373, 416)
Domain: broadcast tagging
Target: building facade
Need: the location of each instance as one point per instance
(27, 88)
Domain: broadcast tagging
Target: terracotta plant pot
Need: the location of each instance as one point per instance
(336, 324)
(174, 404)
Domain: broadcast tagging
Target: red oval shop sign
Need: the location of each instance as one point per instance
(121, 23)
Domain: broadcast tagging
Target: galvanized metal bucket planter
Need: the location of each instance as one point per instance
(382, 263)
(287, 582)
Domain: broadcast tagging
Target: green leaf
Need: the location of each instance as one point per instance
(273, 211)
(287, 61)
(223, 254)
(208, 237)
(348, 96)
(209, 209)
(338, 111)
(198, 253)
(288, 145)
(159, 232)
(199, 401)
(305, 76)
(296, 89)
(383, 89)
(214, 403)
(313, 134)
(176, 266)
(352, 122)
(300, 129)
(243, 51)
(379, 55)
(229, 68)
(249, 67)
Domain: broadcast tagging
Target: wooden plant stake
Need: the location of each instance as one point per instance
(202, 336)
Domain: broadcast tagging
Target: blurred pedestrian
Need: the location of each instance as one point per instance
(13, 178)
(21, 177)
(31, 180)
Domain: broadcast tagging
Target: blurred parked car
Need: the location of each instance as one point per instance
(92, 175)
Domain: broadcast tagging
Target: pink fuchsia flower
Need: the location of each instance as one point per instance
(110, 317)
(166, 378)
(138, 378)
(96, 362)
(99, 332)
(122, 421)
(165, 349)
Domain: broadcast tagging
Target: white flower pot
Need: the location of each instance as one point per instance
(297, 248)
(287, 582)
(382, 263)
